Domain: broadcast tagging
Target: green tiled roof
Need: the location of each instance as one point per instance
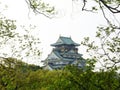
(77, 56)
(65, 41)
(62, 58)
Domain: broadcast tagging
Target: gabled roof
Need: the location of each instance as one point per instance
(65, 41)
(57, 56)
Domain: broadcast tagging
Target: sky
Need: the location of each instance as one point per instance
(69, 22)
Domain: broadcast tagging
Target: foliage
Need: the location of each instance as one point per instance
(109, 8)
(13, 73)
(40, 7)
(108, 49)
(7, 27)
(111, 5)
(17, 45)
(16, 75)
(25, 45)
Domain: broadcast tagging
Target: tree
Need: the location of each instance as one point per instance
(108, 49)
(14, 72)
(109, 39)
(17, 45)
(113, 6)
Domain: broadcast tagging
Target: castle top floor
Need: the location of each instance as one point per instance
(65, 41)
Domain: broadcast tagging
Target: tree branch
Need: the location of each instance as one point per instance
(45, 10)
(110, 8)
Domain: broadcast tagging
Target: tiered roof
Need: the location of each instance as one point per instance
(59, 58)
(65, 41)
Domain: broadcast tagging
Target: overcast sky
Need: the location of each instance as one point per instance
(70, 21)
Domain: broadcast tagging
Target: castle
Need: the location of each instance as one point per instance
(65, 52)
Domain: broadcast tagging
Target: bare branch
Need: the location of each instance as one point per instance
(84, 5)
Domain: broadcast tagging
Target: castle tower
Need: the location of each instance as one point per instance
(65, 52)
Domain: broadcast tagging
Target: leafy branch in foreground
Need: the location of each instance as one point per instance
(109, 8)
(7, 28)
(26, 45)
(21, 46)
(112, 5)
(40, 7)
(108, 49)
